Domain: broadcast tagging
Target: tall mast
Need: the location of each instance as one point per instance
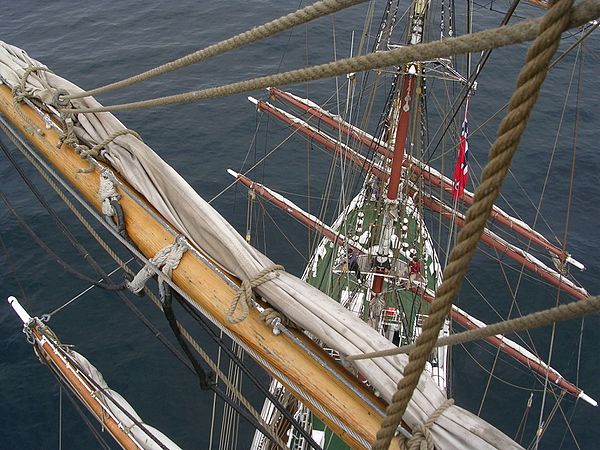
(400, 115)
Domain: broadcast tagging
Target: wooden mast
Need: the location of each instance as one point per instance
(211, 293)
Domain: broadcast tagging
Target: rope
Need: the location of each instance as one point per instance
(95, 150)
(167, 259)
(538, 319)
(19, 93)
(483, 40)
(273, 318)
(529, 82)
(108, 193)
(421, 438)
(244, 296)
(304, 15)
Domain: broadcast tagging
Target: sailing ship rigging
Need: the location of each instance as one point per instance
(378, 259)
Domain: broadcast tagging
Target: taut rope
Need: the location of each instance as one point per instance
(529, 82)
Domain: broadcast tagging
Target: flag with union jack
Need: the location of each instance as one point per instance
(461, 171)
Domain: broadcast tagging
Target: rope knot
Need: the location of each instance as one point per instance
(422, 438)
(245, 296)
(166, 259)
(273, 318)
(108, 192)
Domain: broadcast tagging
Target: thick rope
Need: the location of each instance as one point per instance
(167, 259)
(538, 319)
(244, 296)
(421, 436)
(302, 16)
(483, 40)
(529, 82)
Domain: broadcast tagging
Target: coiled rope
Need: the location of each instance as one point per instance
(529, 82)
(483, 40)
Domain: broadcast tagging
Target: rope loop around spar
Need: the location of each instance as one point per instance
(421, 436)
(245, 296)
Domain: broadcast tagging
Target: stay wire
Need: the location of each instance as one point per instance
(82, 251)
(219, 341)
(206, 378)
(67, 267)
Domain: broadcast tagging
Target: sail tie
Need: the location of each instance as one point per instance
(167, 259)
(19, 93)
(273, 318)
(245, 296)
(108, 192)
(421, 436)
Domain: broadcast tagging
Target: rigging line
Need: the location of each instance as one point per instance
(496, 377)
(260, 161)
(12, 269)
(482, 40)
(206, 379)
(108, 285)
(252, 377)
(540, 433)
(485, 55)
(283, 23)
(47, 317)
(282, 232)
(36, 163)
(567, 219)
(569, 429)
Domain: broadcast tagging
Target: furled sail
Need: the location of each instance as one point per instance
(306, 306)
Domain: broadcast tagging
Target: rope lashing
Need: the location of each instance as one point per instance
(528, 85)
(273, 318)
(244, 297)
(108, 192)
(19, 93)
(99, 149)
(421, 436)
(67, 136)
(469, 43)
(167, 259)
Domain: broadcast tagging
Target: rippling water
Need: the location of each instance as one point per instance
(92, 44)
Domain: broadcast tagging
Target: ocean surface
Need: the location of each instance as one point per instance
(93, 43)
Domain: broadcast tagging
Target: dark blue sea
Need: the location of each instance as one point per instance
(93, 43)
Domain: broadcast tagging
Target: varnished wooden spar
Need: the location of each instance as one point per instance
(51, 355)
(214, 294)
